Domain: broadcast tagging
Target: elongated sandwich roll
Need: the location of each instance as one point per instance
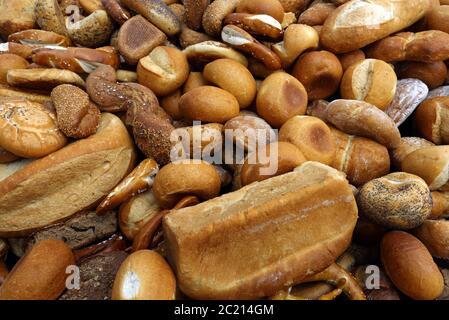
(268, 235)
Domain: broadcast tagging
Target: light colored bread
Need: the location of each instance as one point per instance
(409, 94)
(28, 129)
(164, 70)
(16, 16)
(370, 80)
(74, 177)
(144, 275)
(135, 212)
(356, 24)
(297, 223)
(405, 147)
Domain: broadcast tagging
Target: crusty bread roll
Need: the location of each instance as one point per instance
(144, 275)
(360, 158)
(435, 236)
(430, 163)
(66, 181)
(266, 236)
(40, 274)
(359, 23)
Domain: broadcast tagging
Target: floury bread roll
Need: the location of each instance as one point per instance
(264, 237)
(69, 180)
(358, 23)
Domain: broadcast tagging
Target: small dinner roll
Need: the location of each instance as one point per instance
(320, 72)
(144, 275)
(312, 136)
(234, 78)
(281, 97)
(209, 104)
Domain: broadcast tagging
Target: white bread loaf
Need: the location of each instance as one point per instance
(266, 236)
(356, 23)
(69, 180)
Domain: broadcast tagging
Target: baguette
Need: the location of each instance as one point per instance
(264, 237)
(67, 181)
(359, 23)
(425, 46)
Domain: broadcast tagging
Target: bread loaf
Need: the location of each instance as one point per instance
(264, 237)
(67, 181)
(358, 23)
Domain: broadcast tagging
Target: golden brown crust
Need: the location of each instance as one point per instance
(312, 136)
(137, 211)
(438, 18)
(281, 97)
(433, 74)
(410, 266)
(75, 178)
(6, 156)
(317, 13)
(270, 7)
(43, 79)
(361, 159)
(432, 119)
(209, 104)
(350, 58)
(144, 275)
(435, 236)
(370, 80)
(158, 13)
(16, 16)
(27, 129)
(185, 177)
(363, 119)
(425, 46)
(234, 78)
(10, 61)
(212, 245)
(288, 157)
(355, 24)
(320, 72)
(40, 274)
(164, 70)
(430, 163)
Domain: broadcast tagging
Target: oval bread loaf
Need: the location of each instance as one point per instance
(66, 181)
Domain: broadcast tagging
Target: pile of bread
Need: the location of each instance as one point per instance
(353, 100)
